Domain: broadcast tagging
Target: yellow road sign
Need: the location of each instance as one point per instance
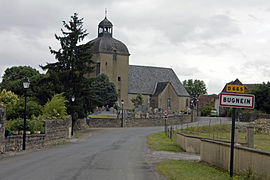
(235, 88)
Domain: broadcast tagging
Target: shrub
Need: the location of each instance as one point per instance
(8, 97)
(15, 111)
(31, 125)
(55, 108)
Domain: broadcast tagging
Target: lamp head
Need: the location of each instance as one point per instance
(26, 83)
(73, 98)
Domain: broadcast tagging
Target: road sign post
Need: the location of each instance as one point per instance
(235, 101)
(232, 142)
(165, 114)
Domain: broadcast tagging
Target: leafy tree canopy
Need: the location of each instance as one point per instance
(103, 91)
(12, 78)
(55, 108)
(15, 111)
(262, 97)
(8, 97)
(195, 88)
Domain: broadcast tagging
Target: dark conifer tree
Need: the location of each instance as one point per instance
(73, 63)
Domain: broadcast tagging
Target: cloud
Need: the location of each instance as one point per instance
(214, 41)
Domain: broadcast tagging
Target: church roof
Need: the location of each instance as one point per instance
(105, 23)
(160, 87)
(144, 79)
(105, 43)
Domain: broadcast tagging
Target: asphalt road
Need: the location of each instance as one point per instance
(108, 154)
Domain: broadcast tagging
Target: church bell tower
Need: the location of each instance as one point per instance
(112, 58)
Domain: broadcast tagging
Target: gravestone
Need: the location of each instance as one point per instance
(2, 128)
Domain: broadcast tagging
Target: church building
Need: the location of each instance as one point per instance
(159, 86)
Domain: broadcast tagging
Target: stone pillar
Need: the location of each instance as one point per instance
(2, 128)
(250, 136)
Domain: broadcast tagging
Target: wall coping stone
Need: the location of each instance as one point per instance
(237, 146)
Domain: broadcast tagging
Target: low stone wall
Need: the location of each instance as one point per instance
(56, 131)
(245, 159)
(248, 117)
(217, 153)
(189, 143)
(15, 143)
(80, 124)
(104, 123)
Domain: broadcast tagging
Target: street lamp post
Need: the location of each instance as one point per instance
(72, 113)
(26, 84)
(122, 120)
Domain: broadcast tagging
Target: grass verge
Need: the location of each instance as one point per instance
(160, 142)
(190, 170)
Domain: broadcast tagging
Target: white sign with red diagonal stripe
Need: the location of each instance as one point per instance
(237, 100)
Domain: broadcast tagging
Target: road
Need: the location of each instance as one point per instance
(108, 154)
(113, 154)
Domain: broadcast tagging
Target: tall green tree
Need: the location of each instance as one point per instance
(12, 78)
(103, 91)
(73, 63)
(262, 97)
(195, 88)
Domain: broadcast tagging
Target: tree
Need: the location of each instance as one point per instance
(8, 97)
(12, 78)
(103, 91)
(206, 110)
(15, 111)
(262, 97)
(55, 108)
(73, 63)
(195, 88)
(138, 100)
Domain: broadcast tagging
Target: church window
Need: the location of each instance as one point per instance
(98, 69)
(119, 78)
(114, 55)
(119, 93)
(169, 103)
(187, 103)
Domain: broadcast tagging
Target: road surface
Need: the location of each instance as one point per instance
(108, 154)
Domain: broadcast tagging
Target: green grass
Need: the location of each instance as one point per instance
(160, 142)
(103, 116)
(223, 132)
(190, 170)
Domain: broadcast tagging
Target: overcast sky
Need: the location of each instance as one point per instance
(211, 40)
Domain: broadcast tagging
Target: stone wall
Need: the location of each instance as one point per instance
(80, 124)
(56, 131)
(217, 153)
(245, 159)
(2, 128)
(189, 144)
(14, 143)
(248, 117)
(140, 122)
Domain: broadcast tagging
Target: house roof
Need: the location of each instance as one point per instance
(235, 82)
(145, 79)
(160, 87)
